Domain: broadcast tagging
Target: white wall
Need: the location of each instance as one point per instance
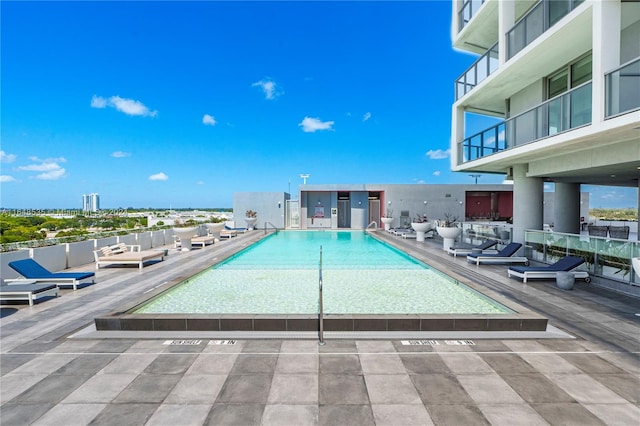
(54, 258)
(80, 253)
(5, 271)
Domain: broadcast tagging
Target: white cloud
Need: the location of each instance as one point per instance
(438, 154)
(124, 105)
(120, 154)
(366, 116)
(208, 120)
(310, 125)
(159, 176)
(49, 167)
(437, 173)
(269, 87)
(7, 158)
(7, 178)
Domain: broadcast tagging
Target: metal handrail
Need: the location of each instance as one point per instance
(320, 305)
(374, 223)
(271, 225)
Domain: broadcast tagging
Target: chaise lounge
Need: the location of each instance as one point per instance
(31, 271)
(29, 292)
(121, 254)
(566, 264)
(485, 248)
(506, 255)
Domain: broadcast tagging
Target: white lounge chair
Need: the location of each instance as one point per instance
(121, 254)
(28, 292)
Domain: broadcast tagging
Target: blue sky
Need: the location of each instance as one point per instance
(158, 104)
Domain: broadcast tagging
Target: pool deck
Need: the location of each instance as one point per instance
(57, 370)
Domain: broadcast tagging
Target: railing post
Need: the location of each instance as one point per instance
(320, 307)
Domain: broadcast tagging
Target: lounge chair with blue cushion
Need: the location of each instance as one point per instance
(29, 292)
(485, 248)
(30, 270)
(506, 255)
(566, 264)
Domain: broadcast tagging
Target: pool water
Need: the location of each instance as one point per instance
(361, 275)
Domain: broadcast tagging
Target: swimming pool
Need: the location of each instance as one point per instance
(361, 275)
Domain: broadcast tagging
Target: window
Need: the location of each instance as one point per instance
(569, 77)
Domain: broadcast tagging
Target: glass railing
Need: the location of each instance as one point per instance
(475, 233)
(480, 70)
(538, 20)
(609, 258)
(622, 90)
(467, 11)
(560, 114)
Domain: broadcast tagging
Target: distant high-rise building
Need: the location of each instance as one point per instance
(91, 202)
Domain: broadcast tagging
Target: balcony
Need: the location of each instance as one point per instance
(467, 11)
(480, 70)
(560, 114)
(539, 19)
(622, 89)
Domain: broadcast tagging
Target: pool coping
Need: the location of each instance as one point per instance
(521, 320)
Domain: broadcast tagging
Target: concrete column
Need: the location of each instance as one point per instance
(506, 19)
(606, 34)
(457, 135)
(528, 195)
(566, 214)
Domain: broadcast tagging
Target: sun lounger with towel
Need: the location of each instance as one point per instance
(485, 248)
(506, 255)
(566, 264)
(32, 271)
(121, 254)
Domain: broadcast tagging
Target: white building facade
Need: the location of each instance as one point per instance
(563, 78)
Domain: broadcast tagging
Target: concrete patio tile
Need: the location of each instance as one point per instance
(23, 414)
(508, 363)
(101, 388)
(45, 364)
(250, 389)
(537, 388)
(529, 346)
(416, 363)
(235, 414)
(592, 364)
(14, 384)
(625, 385)
(294, 389)
(254, 364)
(512, 415)
(128, 364)
(382, 364)
(586, 389)
(85, 364)
(342, 389)
(298, 415)
(70, 415)
(51, 389)
(391, 389)
(177, 414)
(375, 346)
(440, 389)
(9, 362)
(124, 414)
(489, 388)
(209, 363)
(170, 364)
(196, 389)
(456, 414)
(400, 415)
(262, 346)
(299, 347)
(568, 413)
(298, 364)
(73, 346)
(338, 346)
(340, 364)
(616, 414)
(148, 388)
(463, 363)
(147, 346)
(550, 363)
(331, 415)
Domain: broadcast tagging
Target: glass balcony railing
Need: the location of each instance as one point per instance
(560, 114)
(466, 12)
(622, 89)
(609, 258)
(538, 20)
(480, 70)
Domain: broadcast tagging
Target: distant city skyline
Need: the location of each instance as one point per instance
(181, 104)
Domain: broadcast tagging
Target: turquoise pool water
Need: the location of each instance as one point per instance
(361, 275)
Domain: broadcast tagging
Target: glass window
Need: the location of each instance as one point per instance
(581, 71)
(557, 84)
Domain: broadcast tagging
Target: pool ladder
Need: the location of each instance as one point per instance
(320, 307)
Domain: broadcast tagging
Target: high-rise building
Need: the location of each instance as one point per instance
(91, 202)
(562, 78)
